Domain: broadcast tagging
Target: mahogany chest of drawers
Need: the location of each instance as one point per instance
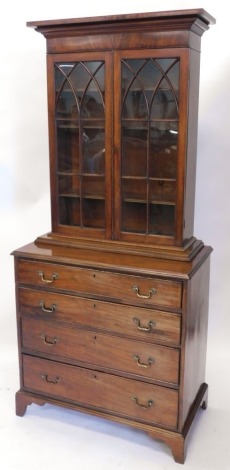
(116, 339)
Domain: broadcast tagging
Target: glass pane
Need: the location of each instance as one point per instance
(79, 80)
(163, 149)
(87, 79)
(150, 88)
(93, 149)
(69, 211)
(162, 219)
(67, 146)
(134, 149)
(170, 67)
(135, 103)
(78, 83)
(84, 72)
(80, 135)
(163, 191)
(150, 75)
(134, 189)
(164, 105)
(62, 72)
(68, 185)
(92, 105)
(93, 211)
(149, 133)
(67, 104)
(134, 217)
(93, 187)
(131, 67)
(165, 98)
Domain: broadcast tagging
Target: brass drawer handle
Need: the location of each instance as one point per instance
(143, 364)
(144, 296)
(47, 281)
(45, 309)
(55, 381)
(49, 343)
(149, 403)
(151, 325)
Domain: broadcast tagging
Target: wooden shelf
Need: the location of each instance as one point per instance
(85, 196)
(155, 202)
(73, 173)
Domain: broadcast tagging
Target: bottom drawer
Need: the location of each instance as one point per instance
(116, 395)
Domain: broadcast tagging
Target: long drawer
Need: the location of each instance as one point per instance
(107, 285)
(135, 357)
(144, 324)
(116, 395)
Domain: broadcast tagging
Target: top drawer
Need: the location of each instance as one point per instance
(131, 288)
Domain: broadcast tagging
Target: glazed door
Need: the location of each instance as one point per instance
(79, 93)
(150, 150)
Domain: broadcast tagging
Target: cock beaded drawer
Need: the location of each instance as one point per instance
(112, 304)
(121, 340)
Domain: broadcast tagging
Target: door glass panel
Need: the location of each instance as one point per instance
(134, 217)
(134, 189)
(134, 148)
(67, 104)
(80, 138)
(150, 75)
(161, 219)
(149, 134)
(136, 106)
(164, 105)
(68, 146)
(93, 186)
(163, 149)
(69, 210)
(93, 149)
(92, 103)
(162, 190)
(93, 213)
(68, 185)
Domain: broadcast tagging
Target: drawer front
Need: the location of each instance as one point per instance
(134, 289)
(134, 357)
(117, 395)
(147, 325)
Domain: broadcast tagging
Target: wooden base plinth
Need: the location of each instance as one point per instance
(175, 440)
(187, 252)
